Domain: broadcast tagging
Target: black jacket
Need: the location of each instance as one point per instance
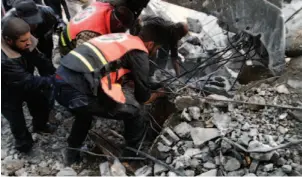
(46, 28)
(17, 73)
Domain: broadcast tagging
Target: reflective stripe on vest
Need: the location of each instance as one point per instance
(95, 18)
(110, 48)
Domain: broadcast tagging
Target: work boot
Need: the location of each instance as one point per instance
(48, 128)
(70, 156)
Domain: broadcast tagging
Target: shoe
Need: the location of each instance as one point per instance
(48, 128)
(70, 156)
(24, 146)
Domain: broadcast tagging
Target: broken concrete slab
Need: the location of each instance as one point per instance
(250, 20)
(201, 135)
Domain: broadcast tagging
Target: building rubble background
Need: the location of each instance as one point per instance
(212, 130)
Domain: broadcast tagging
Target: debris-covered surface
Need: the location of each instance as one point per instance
(213, 132)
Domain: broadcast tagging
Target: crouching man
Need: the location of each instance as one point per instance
(88, 82)
(19, 57)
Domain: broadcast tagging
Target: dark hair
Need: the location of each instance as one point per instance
(178, 31)
(155, 29)
(14, 27)
(124, 15)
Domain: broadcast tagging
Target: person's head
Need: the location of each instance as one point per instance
(179, 30)
(16, 33)
(29, 12)
(121, 19)
(154, 33)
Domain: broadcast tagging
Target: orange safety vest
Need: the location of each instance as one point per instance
(95, 17)
(101, 52)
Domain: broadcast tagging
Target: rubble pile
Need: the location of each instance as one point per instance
(199, 140)
(46, 157)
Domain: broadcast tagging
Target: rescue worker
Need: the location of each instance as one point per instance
(177, 31)
(88, 81)
(97, 19)
(19, 57)
(42, 20)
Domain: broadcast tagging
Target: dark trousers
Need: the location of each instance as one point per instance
(12, 110)
(85, 107)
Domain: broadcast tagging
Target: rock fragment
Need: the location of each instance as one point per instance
(282, 130)
(3, 153)
(191, 152)
(182, 102)
(194, 25)
(105, 169)
(185, 115)
(194, 112)
(183, 129)
(159, 169)
(201, 135)
(209, 173)
(244, 139)
(256, 99)
(246, 126)
(190, 173)
(209, 165)
(232, 164)
(12, 166)
(237, 173)
(282, 89)
(66, 172)
(117, 169)
(281, 161)
(163, 148)
(268, 167)
(143, 171)
(250, 175)
(21, 172)
(287, 168)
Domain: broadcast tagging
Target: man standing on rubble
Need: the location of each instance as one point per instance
(42, 20)
(88, 81)
(19, 57)
(97, 19)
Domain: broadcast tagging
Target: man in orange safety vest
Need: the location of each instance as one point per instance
(97, 19)
(89, 81)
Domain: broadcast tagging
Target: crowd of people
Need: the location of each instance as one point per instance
(104, 70)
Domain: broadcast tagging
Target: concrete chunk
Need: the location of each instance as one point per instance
(201, 135)
(143, 171)
(183, 129)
